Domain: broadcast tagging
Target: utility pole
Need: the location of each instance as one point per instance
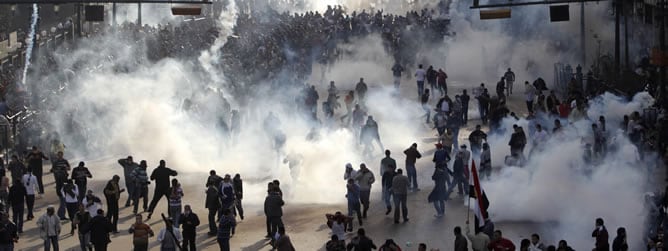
(582, 35)
(618, 13)
(626, 41)
(139, 14)
(662, 49)
(113, 15)
(79, 19)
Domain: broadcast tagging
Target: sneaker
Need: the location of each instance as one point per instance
(396, 222)
(389, 209)
(417, 189)
(242, 217)
(406, 220)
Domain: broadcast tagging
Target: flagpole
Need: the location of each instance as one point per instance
(468, 209)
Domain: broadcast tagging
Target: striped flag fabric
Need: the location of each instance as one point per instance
(476, 192)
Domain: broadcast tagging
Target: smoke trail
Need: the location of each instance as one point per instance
(209, 59)
(31, 40)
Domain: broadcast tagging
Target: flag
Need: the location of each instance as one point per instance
(481, 204)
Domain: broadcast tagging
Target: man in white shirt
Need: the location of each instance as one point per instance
(539, 138)
(420, 75)
(29, 181)
(49, 228)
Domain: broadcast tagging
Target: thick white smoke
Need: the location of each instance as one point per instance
(141, 113)
(557, 186)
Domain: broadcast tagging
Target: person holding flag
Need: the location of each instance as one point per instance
(481, 204)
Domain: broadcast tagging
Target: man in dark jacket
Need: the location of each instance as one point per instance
(461, 243)
(17, 195)
(361, 242)
(412, 154)
(161, 176)
(465, 99)
(80, 175)
(516, 143)
(8, 234)
(17, 168)
(35, 164)
(128, 166)
(476, 139)
(386, 181)
(273, 209)
(458, 176)
(112, 192)
(619, 244)
(99, 228)
(227, 223)
(601, 235)
(213, 204)
(189, 222)
(238, 186)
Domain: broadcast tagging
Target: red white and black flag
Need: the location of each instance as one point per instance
(481, 205)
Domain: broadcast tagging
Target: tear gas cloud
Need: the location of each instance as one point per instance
(557, 186)
(142, 113)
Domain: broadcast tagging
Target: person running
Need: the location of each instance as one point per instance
(161, 176)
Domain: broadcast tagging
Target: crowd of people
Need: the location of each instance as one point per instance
(266, 43)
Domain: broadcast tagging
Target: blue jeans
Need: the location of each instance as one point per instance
(386, 197)
(420, 86)
(455, 136)
(458, 182)
(61, 208)
(84, 241)
(439, 205)
(175, 213)
(400, 202)
(51, 240)
(412, 175)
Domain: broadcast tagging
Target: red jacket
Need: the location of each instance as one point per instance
(501, 245)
